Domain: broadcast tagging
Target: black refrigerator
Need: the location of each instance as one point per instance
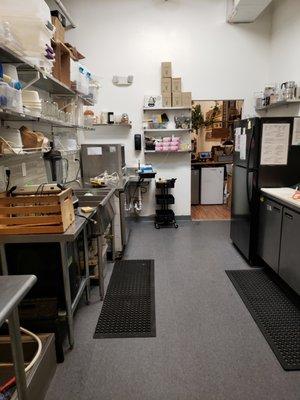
(264, 157)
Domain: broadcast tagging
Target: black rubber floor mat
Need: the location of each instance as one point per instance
(276, 315)
(129, 305)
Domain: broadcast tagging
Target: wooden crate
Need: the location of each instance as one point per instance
(30, 214)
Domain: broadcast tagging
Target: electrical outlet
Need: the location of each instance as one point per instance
(24, 172)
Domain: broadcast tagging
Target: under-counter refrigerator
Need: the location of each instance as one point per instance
(264, 156)
(212, 185)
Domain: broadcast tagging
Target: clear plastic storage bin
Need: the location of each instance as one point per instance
(10, 98)
(29, 8)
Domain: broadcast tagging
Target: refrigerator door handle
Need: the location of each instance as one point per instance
(249, 170)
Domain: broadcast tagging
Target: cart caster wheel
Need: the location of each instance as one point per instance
(87, 302)
(71, 347)
(175, 226)
(157, 226)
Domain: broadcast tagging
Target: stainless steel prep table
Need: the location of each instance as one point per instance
(12, 291)
(70, 235)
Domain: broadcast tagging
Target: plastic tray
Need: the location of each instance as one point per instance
(165, 199)
(169, 183)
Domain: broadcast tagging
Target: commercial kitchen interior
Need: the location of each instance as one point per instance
(150, 199)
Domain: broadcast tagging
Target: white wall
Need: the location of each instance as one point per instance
(214, 59)
(284, 63)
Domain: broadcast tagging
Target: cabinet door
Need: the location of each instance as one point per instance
(270, 219)
(289, 266)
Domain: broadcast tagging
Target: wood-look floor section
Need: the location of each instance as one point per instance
(218, 212)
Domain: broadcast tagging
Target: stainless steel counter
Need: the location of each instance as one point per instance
(70, 235)
(283, 196)
(12, 291)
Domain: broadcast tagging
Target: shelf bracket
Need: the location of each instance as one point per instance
(33, 81)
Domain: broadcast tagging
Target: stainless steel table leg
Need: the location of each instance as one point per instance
(86, 264)
(67, 290)
(3, 260)
(18, 357)
(113, 241)
(100, 267)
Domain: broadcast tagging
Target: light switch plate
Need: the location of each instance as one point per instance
(24, 171)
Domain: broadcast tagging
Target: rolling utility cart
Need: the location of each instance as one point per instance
(165, 217)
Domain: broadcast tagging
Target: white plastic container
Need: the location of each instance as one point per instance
(80, 78)
(7, 37)
(11, 71)
(27, 24)
(30, 96)
(3, 95)
(12, 137)
(10, 99)
(32, 34)
(14, 99)
(94, 88)
(31, 8)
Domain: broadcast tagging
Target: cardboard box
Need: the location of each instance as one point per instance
(166, 70)
(176, 85)
(186, 99)
(166, 85)
(167, 100)
(59, 34)
(176, 100)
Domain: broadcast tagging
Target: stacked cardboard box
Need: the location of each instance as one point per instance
(166, 84)
(171, 89)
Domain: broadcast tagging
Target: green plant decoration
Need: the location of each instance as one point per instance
(198, 120)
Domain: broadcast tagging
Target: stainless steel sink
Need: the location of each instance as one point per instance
(100, 198)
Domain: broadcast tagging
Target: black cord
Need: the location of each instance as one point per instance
(40, 188)
(7, 171)
(87, 218)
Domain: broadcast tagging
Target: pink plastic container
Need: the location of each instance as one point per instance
(167, 139)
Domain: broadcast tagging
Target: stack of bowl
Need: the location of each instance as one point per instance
(32, 102)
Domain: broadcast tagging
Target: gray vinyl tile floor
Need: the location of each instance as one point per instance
(207, 346)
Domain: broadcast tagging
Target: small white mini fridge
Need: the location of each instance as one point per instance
(212, 185)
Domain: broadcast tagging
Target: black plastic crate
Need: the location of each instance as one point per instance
(168, 184)
(165, 215)
(165, 199)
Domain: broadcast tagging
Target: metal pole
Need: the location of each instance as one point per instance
(3, 260)
(86, 263)
(100, 266)
(67, 290)
(17, 352)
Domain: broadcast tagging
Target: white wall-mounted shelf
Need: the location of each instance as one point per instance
(278, 104)
(128, 126)
(165, 152)
(167, 108)
(167, 130)
(9, 115)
